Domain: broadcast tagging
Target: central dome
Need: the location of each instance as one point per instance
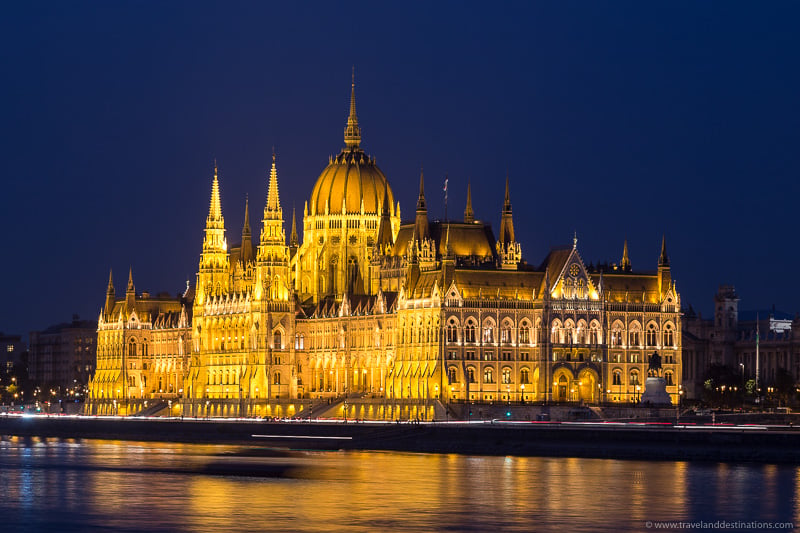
(351, 177)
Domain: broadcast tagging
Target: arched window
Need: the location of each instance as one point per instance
(668, 378)
(568, 332)
(580, 288)
(276, 341)
(569, 290)
(616, 334)
(594, 333)
(488, 375)
(524, 376)
(617, 377)
(634, 335)
(469, 332)
(555, 336)
(276, 378)
(525, 333)
(488, 332)
(669, 338)
(506, 377)
(471, 374)
(452, 375)
(634, 377)
(651, 336)
(452, 331)
(505, 333)
(581, 332)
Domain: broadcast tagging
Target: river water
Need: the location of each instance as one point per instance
(85, 485)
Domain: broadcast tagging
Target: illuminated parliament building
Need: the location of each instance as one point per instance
(381, 317)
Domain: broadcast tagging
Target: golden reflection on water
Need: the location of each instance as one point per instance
(150, 486)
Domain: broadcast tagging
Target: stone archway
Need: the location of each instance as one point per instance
(588, 391)
(562, 385)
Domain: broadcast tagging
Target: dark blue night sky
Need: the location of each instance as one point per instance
(612, 119)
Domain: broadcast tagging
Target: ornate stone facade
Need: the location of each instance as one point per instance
(425, 311)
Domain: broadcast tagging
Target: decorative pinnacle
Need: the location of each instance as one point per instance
(574, 240)
(130, 279)
(421, 199)
(663, 260)
(273, 200)
(215, 209)
(469, 215)
(625, 264)
(352, 133)
(110, 281)
(246, 228)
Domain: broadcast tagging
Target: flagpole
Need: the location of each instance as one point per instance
(445, 197)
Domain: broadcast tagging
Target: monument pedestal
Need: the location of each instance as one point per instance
(655, 392)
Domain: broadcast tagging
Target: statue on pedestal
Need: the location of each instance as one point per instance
(655, 388)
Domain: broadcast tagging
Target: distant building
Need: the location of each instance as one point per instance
(729, 338)
(63, 355)
(11, 350)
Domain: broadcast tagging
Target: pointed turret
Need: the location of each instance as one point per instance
(247, 236)
(664, 273)
(385, 240)
(215, 209)
(663, 259)
(109, 307)
(272, 211)
(506, 220)
(293, 239)
(625, 263)
(352, 132)
(130, 293)
(469, 215)
(421, 227)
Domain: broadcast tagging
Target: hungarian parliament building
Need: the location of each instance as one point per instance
(371, 309)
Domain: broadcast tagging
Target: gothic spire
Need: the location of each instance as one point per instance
(247, 236)
(506, 220)
(130, 280)
(625, 264)
(273, 208)
(663, 260)
(469, 215)
(385, 239)
(421, 226)
(352, 132)
(110, 289)
(215, 209)
(293, 240)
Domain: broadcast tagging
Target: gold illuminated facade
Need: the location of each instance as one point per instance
(370, 309)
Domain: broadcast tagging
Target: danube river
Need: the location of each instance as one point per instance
(85, 485)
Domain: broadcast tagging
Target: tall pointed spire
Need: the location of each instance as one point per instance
(215, 209)
(352, 132)
(273, 208)
(385, 238)
(506, 220)
(247, 236)
(131, 287)
(293, 240)
(663, 260)
(109, 307)
(469, 215)
(421, 226)
(625, 264)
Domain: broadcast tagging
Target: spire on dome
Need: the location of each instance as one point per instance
(421, 225)
(625, 264)
(469, 215)
(352, 132)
